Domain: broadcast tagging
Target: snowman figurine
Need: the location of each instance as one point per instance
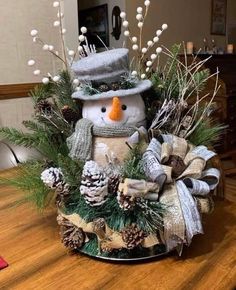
(112, 113)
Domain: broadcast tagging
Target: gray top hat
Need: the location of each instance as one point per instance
(108, 67)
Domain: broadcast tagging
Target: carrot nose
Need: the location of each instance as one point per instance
(116, 112)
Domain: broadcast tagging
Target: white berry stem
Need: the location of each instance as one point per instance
(140, 40)
(62, 36)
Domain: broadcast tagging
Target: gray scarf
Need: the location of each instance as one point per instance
(80, 142)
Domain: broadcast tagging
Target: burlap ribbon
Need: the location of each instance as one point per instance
(182, 220)
(108, 239)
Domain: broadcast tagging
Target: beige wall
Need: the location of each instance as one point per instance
(188, 20)
(17, 18)
(13, 112)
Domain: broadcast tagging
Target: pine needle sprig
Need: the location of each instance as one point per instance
(18, 137)
(41, 92)
(208, 133)
(132, 166)
(72, 170)
(28, 180)
(63, 90)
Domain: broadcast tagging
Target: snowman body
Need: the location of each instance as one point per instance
(115, 113)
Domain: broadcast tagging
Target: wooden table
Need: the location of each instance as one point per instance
(30, 242)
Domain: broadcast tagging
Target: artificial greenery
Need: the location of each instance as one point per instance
(208, 133)
(132, 166)
(28, 180)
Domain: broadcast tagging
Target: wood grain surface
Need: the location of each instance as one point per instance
(29, 241)
(14, 91)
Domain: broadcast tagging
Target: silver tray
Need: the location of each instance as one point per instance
(151, 256)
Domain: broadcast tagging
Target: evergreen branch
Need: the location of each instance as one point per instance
(72, 170)
(28, 180)
(207, 133)
(18, 137)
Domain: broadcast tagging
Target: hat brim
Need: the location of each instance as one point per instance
(140, 87)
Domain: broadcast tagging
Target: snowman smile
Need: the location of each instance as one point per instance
(114, 123)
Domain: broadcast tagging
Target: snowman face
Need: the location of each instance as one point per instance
(128, 110)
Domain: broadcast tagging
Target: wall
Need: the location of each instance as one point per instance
(187, 21)
(17, 18)
(232, 22)
(84, 4)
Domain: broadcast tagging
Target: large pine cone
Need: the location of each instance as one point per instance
(126, 202)
(62, 193)
(71, 236)
(43, 107)
(94, 184)
(70, 115)
(132, 236)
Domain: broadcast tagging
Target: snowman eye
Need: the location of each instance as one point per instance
(124, 107)
(103, 109)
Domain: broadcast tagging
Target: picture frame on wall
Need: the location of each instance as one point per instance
(218, 17)
(95, 19)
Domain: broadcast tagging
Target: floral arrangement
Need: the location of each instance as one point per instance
(124, 151)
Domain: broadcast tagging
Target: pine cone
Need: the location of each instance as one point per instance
(103, 88)
(132, 236)
(94, 184)
(51, 177)
(115, 86)
(126, 202)
(113, 173)
(62, 193)
(70, 115)
(44, 107)
(71, 236)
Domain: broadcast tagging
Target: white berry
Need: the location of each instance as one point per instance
(134, 73)
(63, 31)
(71, 52)
(60, 15)
(158, 50)
(147, 69)
(143, 76)
(156, 39)
(139, 17)
(76, 82)
(139, 10)
(56, 4)
(56, 23)
(50, 47)
(80, 48)
(158, 32)
(33, 32)
(46, 47)
(125, 23)
(134, 39)
(37, 72)
(45, 81)
(153, 56)
(123, 15)
(83, 30)
(31, 62)
(149, 63)
(150, 43)
(135, 47)
(144, 50)
(164, 26)
(140, 24)
(56, 78)
(147, 3)
(81, 38)
(126, 33)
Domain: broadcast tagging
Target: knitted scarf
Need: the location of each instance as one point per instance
(80, 142)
